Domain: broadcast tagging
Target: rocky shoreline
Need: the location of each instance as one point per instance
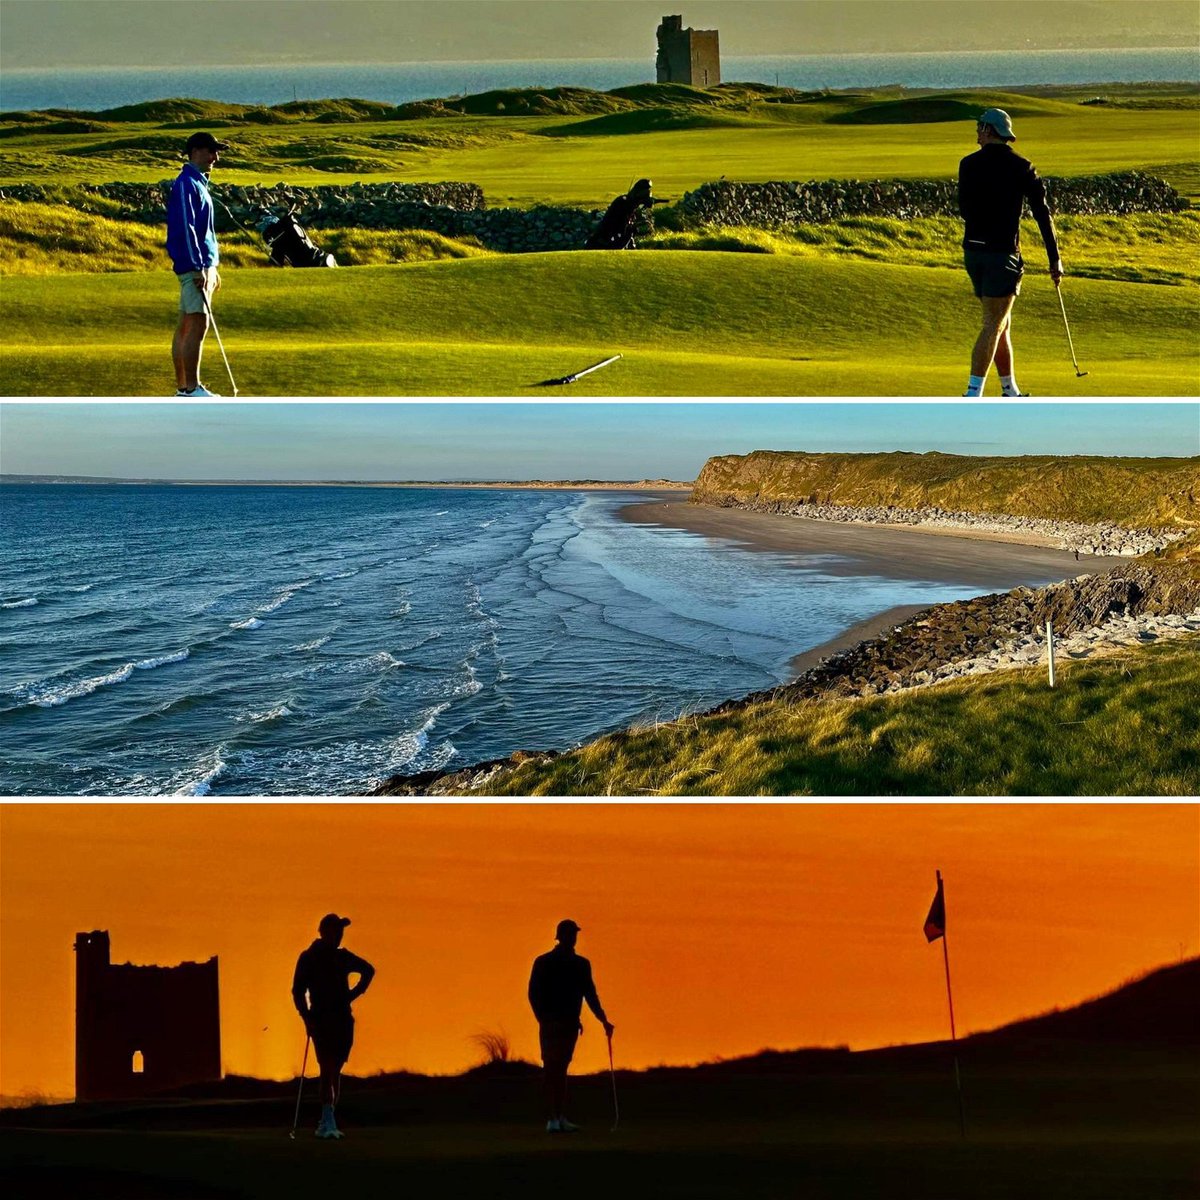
(1105, 538)
(1135, 604)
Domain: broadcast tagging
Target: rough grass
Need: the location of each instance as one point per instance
(44, 239)
(1141, 248)
(1119, 726)
(688, 324)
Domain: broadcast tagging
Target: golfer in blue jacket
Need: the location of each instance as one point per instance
(192, 245)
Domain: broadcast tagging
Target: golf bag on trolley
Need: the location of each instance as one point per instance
(289, 244)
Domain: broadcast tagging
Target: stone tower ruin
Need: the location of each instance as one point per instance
(688, 55)
(141, 1030)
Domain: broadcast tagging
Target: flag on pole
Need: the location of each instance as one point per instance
(935, 923)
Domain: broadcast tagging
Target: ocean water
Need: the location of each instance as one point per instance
(275, 640)
(90, 88)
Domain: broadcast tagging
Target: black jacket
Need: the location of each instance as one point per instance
(617, 226)
(993, 184)
(322, 973)
(560, 982)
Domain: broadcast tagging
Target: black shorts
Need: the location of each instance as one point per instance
(332, 1038)
(557, 1039)
(994, 274)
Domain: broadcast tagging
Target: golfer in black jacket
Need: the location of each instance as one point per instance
(993, 184)
(617, 226)
(560, 982)
(322, 994)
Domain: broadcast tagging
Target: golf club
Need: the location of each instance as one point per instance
(578, 374)
(300, 1090)
(1058, 288)
(612, 1072)
(221, 344)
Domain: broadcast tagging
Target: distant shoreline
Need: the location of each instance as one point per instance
(574, 485)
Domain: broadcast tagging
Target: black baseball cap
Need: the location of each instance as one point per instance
(332, 921)
(204, 141)
(563, 928)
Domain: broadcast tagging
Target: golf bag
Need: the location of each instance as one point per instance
(288, 243)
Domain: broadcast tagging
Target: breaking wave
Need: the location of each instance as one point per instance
(32, 600)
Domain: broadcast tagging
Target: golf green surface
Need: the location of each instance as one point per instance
(687, 323)
(1098, 1130)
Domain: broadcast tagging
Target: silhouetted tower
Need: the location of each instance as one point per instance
(140, 1030)
(688, 55)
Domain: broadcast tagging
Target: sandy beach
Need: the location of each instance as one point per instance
(897, 552)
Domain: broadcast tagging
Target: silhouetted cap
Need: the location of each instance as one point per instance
(642, 189)
(565, 927)
(332, 921)
(205, 141)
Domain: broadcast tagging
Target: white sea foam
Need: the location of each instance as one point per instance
(50, 695)
(485, 524)
(148, 664)
(272, 714)
(284, 596)
(202, 785)
(83, 587)
(28, 603)
(344, 574)
(403, 610)
(315, 644)
(248, 623)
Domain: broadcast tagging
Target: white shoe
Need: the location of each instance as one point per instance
(199, 392)
(553, 1126)
(565, 1126)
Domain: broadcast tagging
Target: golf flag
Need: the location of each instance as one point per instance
(935, 923)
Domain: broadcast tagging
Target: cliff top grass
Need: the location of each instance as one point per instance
(573, 145)
(1117, 726)
(1134, 492)
(752, 325)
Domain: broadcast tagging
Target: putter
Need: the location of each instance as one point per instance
(1078, 373)
(578, 374)
(300, 1090)
(612, 1072)
(213, 321)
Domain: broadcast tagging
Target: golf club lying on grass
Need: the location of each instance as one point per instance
(612, 1072)
(300, 1090)
(578, 374)
(1078, 373)
(213, 322)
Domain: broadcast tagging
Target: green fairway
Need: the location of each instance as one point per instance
(685, 139)
(688, 324)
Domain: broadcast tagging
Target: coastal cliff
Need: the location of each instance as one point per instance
(1145, 493)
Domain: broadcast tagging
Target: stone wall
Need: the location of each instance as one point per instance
(776, 205)
(456, 210)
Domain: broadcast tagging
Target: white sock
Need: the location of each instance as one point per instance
(1008, 385)
(975, 385)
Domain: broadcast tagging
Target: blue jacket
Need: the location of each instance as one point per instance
(191, 227)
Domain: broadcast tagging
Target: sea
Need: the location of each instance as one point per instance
(162, 639)
(93, 88)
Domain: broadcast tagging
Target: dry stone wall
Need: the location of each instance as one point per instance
(780, 204)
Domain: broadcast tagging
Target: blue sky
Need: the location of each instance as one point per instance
(399, 441)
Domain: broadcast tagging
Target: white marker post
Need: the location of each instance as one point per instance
(1050, 650)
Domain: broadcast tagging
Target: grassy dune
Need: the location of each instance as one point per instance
(571, 146)
(1128, 491)
(688, 323)
(1117, 726)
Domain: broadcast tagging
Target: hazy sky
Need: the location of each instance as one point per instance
(713, 930)
(545, 440)
(162, 33)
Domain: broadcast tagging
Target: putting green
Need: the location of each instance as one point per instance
(687, 324)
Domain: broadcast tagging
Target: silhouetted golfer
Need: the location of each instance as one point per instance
(617, 226)
(322, 994)
(560, 982)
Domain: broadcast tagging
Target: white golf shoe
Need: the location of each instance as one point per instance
(199, 392)
(565, 1126)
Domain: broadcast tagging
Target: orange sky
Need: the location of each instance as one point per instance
(713, 930)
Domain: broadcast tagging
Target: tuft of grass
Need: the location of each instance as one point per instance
(1117, 726)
